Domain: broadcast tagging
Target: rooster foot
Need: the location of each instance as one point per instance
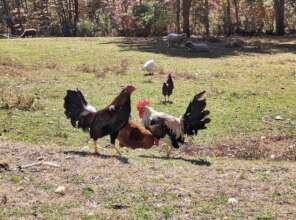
(168, 152)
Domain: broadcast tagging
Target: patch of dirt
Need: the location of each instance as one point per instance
(140, 184)
(264, 147)
(12, 70)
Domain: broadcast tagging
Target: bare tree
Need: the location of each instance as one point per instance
(186, 16)
(236, 9)
(279, 8)
(178, 9)
(76, 15)
(207, 20)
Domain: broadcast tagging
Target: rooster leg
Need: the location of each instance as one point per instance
(168, 151)
(95, 147)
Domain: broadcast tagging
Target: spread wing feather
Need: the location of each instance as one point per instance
(195, 117)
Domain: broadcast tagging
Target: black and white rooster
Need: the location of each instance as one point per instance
(172, 130)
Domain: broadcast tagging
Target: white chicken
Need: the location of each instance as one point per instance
(150, 66)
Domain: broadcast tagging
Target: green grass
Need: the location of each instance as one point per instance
(15, 179)
(87, 192)
(241, 87)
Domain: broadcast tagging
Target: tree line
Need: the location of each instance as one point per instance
(148, 18)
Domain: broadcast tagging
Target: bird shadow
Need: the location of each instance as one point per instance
(198, 162)
(148, 74)
(121, 159)
(166, 102)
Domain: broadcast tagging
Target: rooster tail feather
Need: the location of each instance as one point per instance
(195, 118)
(78, 110)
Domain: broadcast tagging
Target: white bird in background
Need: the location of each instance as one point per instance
(149, 66)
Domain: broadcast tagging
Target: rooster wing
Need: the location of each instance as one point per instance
(195, 118)
(164, 126)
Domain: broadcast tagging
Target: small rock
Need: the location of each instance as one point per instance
(263, 137)
(4, 166)
(20, 189)
(272, 156)
(3, 200)
(85, 148)
(60, 190)
(232, 201)
(278, 117)
(291, 146)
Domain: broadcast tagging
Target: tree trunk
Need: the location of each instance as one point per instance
(207, 20)
(76, 15)
(7, 17)
(229, 18)
(19, 14)
(279, 8)
(186, 17)
(178, 9)
(236, 8)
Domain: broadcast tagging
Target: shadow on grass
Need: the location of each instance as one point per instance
(102, 156)
(198, 162)
(159, 46)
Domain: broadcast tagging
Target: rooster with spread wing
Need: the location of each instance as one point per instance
(172, 130)
(107, 121)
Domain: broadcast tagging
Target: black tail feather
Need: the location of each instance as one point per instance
(74, 104)
(195, 117)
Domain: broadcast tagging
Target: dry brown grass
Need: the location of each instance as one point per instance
(12, 71)
(13, 99)
(102, 72)
(264, 147)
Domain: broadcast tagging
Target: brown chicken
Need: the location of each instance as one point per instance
(135, 136)
(167, 88)
(107, 121)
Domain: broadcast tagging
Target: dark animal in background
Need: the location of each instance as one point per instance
(107, 121)
(197, 47)
(167, 88)
(172, 130)
(29, 33)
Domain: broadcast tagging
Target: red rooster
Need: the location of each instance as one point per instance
(135, 136)
(172, 130)
(167, 88)
(107, 121)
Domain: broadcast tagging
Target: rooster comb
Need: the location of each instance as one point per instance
(142, 103)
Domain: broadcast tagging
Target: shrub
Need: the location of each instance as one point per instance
(144, 15)
(85, 28)
(54, 29)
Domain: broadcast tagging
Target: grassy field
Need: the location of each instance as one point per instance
(249, 84)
